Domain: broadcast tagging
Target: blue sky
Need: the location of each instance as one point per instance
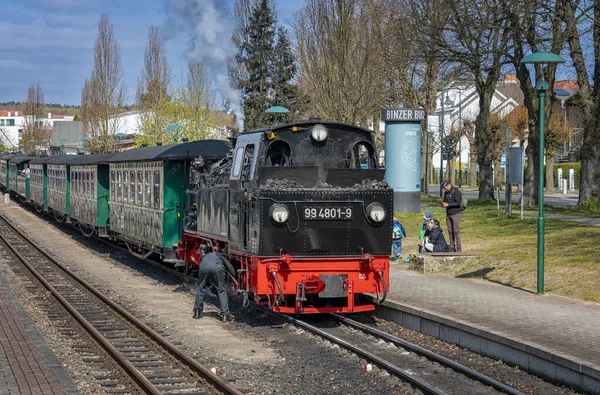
(51, 42)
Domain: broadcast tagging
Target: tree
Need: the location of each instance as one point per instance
(285, 91)
(588, 91)
(254, 61)
(35, 128)
(339, 45)
(153, 84)
(102, 95)
(477, 37)
(197, 121)
(533, 23)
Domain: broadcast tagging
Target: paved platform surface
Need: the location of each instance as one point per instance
(28, 365)
(563, 327)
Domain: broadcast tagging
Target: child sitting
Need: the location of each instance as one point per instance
(427, 215)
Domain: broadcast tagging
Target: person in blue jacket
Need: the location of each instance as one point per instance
(398, 233)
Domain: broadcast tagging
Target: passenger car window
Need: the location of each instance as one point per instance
(93, 184)
(112, 185)
(148, 188)
(118, 186)
(156, 189)
(132, 189)
(125, 187)
(140, 181)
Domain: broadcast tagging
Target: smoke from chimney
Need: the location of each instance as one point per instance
(209, 25)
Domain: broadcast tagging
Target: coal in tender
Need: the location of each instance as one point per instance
(371, 184)
(280, 184)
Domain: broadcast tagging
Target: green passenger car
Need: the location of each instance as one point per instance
(90, 198)
(4, 171)
(18, 180)
(147, 193)
(38, 183)
(59, 187)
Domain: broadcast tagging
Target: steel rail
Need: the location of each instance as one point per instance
(422, 385)
(221, 384)
(428, 354)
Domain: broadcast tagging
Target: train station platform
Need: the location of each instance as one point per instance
(28, 366)
(555, 337)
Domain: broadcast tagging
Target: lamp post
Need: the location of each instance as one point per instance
(442, 145)
(120, 137)
(277, 110)
(86, 142)
(174, 128)
(62, 141)
(541, 58)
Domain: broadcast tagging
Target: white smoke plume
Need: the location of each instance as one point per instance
(209, 25)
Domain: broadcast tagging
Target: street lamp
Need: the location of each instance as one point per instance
(62, 141)
(277, 110)
(86, 141)
(541, 58)
(173, 128)
(120, 137)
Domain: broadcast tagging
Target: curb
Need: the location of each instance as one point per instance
(528, 357)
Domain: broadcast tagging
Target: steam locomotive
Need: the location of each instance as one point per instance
(303, 212)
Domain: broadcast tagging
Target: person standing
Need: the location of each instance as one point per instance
(213, 273)
(398, 233)
(452, 203)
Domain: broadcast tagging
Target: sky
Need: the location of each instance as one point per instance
(51, 42)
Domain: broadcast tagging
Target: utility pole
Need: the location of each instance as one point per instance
(508, 191)
(442, 146)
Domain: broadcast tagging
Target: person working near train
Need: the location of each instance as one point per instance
(213, 273)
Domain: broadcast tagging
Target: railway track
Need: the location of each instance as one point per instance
(127, 355)
(403, 359)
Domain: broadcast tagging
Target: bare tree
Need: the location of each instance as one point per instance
(154, 81)
(588, 92)
(35, 127)
(533, 23)
(103, 94)
(339, 46)
(199, 87)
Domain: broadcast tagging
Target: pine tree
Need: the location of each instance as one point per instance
(255, 55)
(285, 92)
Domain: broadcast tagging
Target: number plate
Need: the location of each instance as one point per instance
(322, 213)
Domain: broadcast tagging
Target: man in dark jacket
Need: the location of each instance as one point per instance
(452, 203)
(213, 273)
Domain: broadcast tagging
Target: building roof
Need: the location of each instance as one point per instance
(13, 113)
(511, 88)
(209, 149)
(568, 85)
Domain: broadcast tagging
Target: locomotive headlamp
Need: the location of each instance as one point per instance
(376, 212)
(319, 133)
(279, 213)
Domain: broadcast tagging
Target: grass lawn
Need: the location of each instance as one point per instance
(507, 248)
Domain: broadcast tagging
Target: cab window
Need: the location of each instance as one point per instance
(237, 166)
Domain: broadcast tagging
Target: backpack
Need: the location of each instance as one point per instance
(463, 201)
(397, 232)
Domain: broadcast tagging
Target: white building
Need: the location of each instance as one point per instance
(12, 124)
(461, 102)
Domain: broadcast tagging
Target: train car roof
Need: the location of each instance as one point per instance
(302, 123)
(73, 160)
(8, 155)
(20, 158)
(209, 149)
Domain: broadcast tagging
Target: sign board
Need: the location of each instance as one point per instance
(515, 171)
(503, 160)
(402, 114)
